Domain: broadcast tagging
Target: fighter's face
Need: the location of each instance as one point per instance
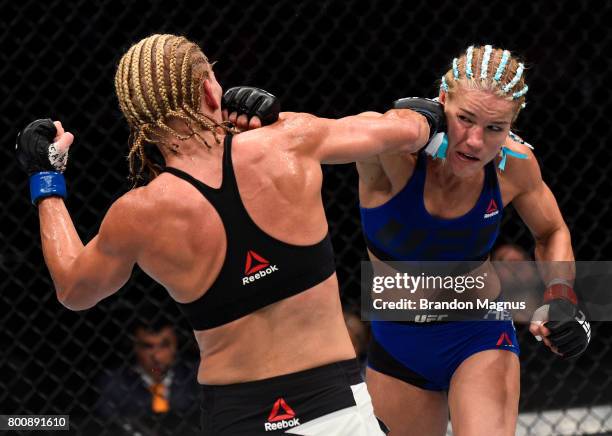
(478, 124)
(155, 351)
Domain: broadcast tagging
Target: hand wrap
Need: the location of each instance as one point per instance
(39, 157)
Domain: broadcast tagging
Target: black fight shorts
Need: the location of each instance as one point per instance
(328, 400)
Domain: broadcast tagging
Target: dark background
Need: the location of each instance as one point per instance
(330, 58)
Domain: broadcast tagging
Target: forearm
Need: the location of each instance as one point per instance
(555, 256)
(61, 243)
(82, 275)
(560, 322)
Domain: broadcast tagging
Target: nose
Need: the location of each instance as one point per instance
(475, 137)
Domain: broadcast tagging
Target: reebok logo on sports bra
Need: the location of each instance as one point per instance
(492, 210)
(256, 267)
(250, 255)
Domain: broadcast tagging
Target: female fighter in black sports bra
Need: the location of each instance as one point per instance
(235, 230)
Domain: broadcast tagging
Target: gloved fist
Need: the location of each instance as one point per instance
(42, 151)
(432, 110)
(569, 332)
(43, 146)
(251, 102)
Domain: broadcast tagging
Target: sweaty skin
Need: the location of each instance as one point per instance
(478, 125)
(175, 235)
(452, 186)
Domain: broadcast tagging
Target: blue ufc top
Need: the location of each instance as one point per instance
(426, 354)
(403, 230)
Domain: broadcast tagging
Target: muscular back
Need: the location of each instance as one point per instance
(178, 238)
(281, 191)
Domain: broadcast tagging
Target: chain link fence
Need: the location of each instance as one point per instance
(331, 58)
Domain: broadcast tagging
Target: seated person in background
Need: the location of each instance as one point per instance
(519, 278)
(510, 252)
(156, 385)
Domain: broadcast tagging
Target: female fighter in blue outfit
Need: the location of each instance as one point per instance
(445, 203)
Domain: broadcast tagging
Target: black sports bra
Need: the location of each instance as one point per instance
(258, 269)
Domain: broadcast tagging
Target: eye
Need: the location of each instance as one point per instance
(464, 119)
(495, 128)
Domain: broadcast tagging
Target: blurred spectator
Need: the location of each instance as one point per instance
(510, 252)
(157, 392)
(519, 279)
(359, 331)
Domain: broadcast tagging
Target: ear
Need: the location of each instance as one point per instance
(209, 96)
(442, 97)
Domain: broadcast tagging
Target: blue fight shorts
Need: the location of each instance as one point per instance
(427, 355)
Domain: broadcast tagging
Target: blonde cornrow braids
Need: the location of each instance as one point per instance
(148, 77)
(120, 90)
(185, 66)
(159, 79)
(173, 80)
(136, 148)
(489, 69)
(123, 92)
(159, 66)
(138, 156)
(124, 89)
(135, 73)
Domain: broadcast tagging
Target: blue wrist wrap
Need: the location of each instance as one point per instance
(47, 184)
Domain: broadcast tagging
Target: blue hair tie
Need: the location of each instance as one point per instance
(514, 81)
(502, 65)
(444, 85)
(468, 62)
(505, 152)
(441, 152)
(520, 93)
(484, 67)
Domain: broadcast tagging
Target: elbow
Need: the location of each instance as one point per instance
(414, 128)
(415, 137)
(415, 134)
(555, 245)
(421, 134)
(66, 297)
(559, 232)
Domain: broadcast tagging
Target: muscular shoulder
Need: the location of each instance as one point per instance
(132, 204)
(300, 128)
(126, 220)
(523, 174)
(293, 132)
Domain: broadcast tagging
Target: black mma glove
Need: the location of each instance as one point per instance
(570, 332)
(432, 110)
(250, 101)
(40, 158)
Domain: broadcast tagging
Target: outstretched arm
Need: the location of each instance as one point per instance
(355, 138)
(350, 139)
